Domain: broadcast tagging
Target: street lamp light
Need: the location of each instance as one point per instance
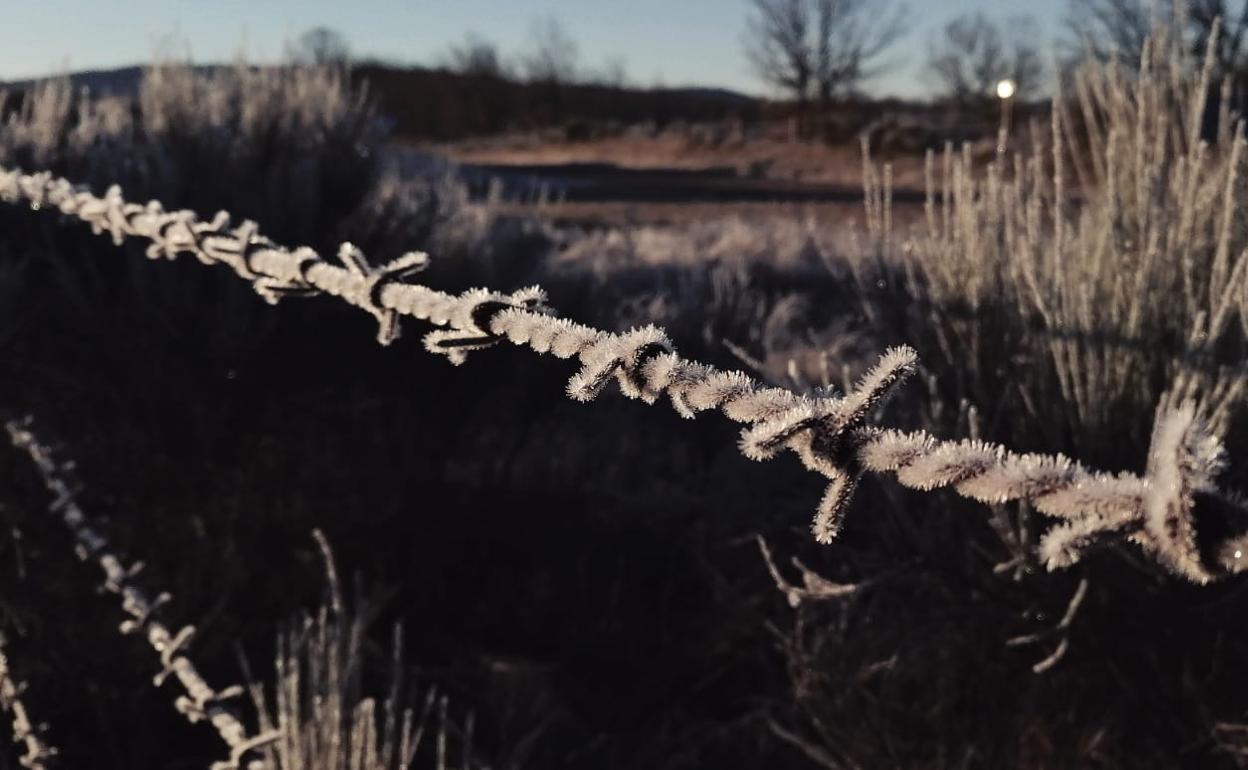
(1006, 89)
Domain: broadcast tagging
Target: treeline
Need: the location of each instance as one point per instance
(440, 104)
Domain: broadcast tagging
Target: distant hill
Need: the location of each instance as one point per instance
(123, 81)
(442, 105)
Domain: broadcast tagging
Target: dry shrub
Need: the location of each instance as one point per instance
(319, 705)
(1064, 288)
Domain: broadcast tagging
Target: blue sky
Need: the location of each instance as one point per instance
(674, 42)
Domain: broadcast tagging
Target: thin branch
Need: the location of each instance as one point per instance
(1060, 630)
(814, 586)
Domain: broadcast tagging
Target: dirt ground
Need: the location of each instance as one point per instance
(664, 213)
(766, 156)
(678, 175)
(640, 175)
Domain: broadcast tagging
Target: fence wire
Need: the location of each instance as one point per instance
(831, 435)
(38, 754)
(199, 701)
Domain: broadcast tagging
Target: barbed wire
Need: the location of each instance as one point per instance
(38, 754)
(831, 435)
(200, 701)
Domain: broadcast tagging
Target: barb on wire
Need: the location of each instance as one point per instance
(829, 434)
(38, 755)
(200, 701)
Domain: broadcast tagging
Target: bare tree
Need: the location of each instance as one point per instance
(553, 55)
(475, 56)
(973, 55)
(824, 48)
(779, 45)
(321, 46)
(1233, 37)
(1117, 29)
(852, 36)
(1108, 29)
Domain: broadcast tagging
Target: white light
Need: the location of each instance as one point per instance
(1006, 88)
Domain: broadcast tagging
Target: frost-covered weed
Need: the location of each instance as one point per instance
(301, 148)
(1064, 287)
(318, 704)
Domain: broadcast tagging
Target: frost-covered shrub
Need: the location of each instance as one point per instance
(298, 148)
(318, 702)
(1062, 289)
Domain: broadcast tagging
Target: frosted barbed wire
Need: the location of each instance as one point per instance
(200, 701)
(37, 754)
(830, 435)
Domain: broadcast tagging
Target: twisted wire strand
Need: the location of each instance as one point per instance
(829, 434)
(38, 755)
(200, 701)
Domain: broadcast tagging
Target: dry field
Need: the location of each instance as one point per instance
(769, 155)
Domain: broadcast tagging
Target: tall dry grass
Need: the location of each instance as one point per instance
(318, 703)
(1063, 288)
(1054, 295)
